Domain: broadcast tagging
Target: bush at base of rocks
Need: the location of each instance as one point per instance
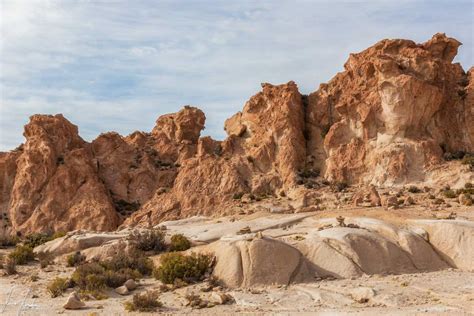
(144, 302)
(8, 241)
(96, 276)
(57, 286)
(189, 268)
(22, 254)
(148, 240)
(75, 259)
(179, 243)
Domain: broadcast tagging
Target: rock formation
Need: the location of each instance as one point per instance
(387, 119)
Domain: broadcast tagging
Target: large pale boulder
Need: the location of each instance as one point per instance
(453, 240)
(248, 262)
(78, 241)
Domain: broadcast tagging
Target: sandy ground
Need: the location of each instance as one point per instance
(447, 292)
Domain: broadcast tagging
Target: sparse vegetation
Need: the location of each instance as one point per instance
(191, 268)
(238, 196)
(9, 265)
(469, 160)
(179, 243)
(22, 254)
(126, 208)
(75, 259)
(144, 302)
(414, 189)
(57, 286)
(339, 186)
(8, 241)
(93, 277)
(36, 239)
(450, 194)
(148, 240)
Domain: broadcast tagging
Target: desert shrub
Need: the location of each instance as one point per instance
(126, 208)
(58, 235)
(339, 186)
(179, 242)
(238, 195)
(450, 194)
(57, 287)
(469, 160)
(414, 189)
(454, 155)
(36, 239)
(45, 259)
(309, 173)
(8, 241)
(144, 302)
(79, 276)
(75, 259)
(190, 268)
(468, 185)
(95, 276)
(22, 254)
(9, 265)
(148, 240)
(117, 278)
(135, 260)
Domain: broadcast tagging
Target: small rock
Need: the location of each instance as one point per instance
(465, 199)
(220, 298)
(74, 302)
(122, 290)
(130, 284)
(362, 294)
(245, 230)
(409, 201)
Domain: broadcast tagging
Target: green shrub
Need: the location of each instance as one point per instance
(144, 302)
(115, 279)
(8, 241)
(149, 240)
(135, 260)
(179, 243)
(57, 287)
(79, 276)
(339, 186)
(36, 239)
(450, 194)
(191, 268)
(75, 259)
(414, 189)
(22, 254)
(238, 196)
(9, 265)
(469, 160)
(95, 276)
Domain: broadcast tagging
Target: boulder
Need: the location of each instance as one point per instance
(362, 294)
(122, 290)
(130, 284)
(452, 239)
(74, 302)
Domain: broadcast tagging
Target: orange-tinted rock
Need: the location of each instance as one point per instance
(385, 120)
(391, 111)
(56, 184)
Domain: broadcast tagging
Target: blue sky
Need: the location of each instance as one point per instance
(118, 65)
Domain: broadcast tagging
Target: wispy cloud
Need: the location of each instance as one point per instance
(118, 65)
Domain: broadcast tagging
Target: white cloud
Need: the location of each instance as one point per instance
(117, 65)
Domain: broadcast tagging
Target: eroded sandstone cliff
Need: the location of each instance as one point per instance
(387, 119)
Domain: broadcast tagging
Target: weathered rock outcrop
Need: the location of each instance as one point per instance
(385, 120)
(56, 186)
(392, 112)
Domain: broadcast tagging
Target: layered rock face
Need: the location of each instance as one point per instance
(385, 120)
(393, 110)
